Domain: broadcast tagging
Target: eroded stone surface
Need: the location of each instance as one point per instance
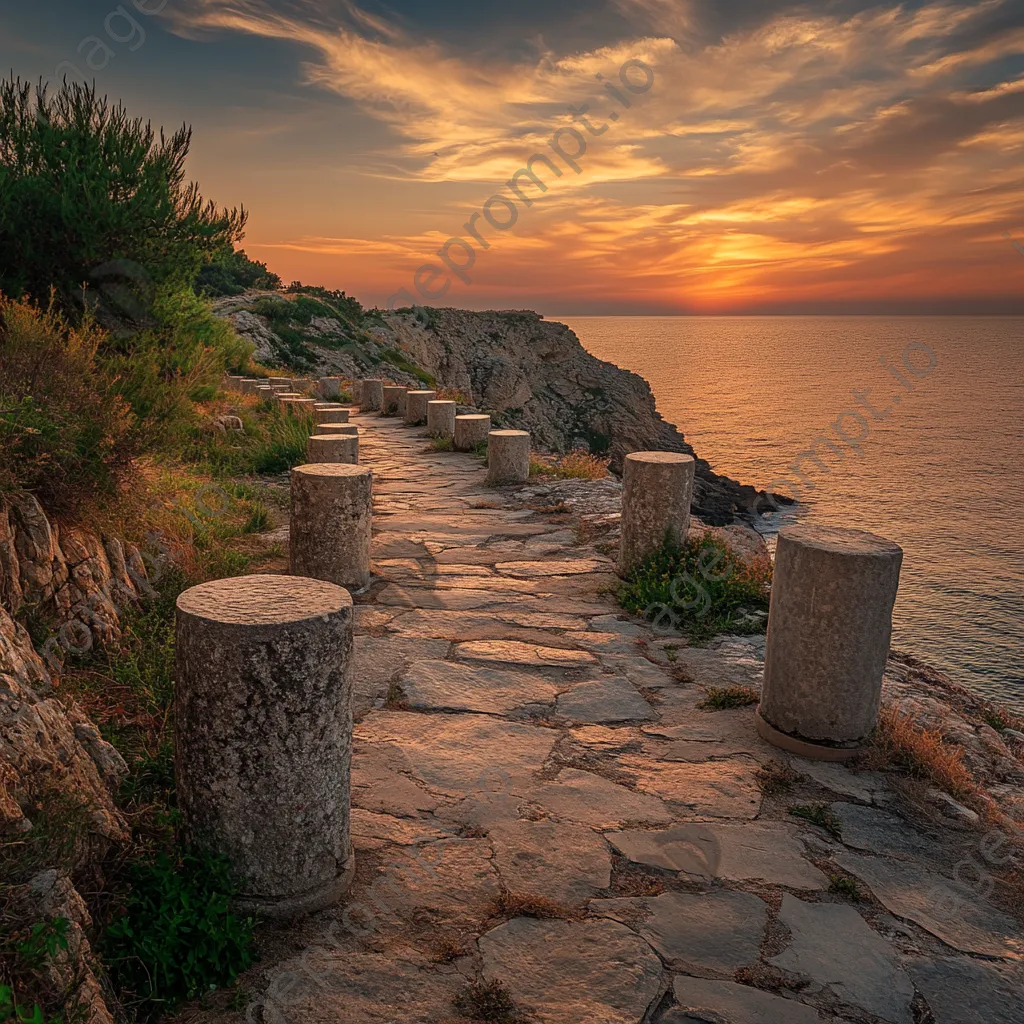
(595, 801)
(562, 862)
(725, 1002)
(457, 754)
(867, 828)
(568, 972)
(768, 853)
(715, 931)
(832, 945)
(605, 699)
(963, 991)
(513, 652)
(445, 686)
(957, 916)
(718, 789)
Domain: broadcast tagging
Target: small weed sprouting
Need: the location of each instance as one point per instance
(442, 444)
(177, 937)
(844, 885)
(721, 698)
(820, 815)
(776, 777)
(480, 450)
(488, 1001)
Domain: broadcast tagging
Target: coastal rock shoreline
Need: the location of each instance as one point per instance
(529, 373)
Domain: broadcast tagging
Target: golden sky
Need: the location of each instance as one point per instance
(836, 156)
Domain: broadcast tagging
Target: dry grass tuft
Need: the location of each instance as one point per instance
(923, 753)
(776, 777)
(488, 1001)
(513, 904)
(574, 466)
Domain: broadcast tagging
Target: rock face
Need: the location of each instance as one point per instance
(79, 582)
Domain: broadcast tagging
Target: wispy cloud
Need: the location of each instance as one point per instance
(795, 153)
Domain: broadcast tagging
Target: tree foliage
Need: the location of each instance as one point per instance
(94, 202)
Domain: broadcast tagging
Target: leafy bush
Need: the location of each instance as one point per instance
(25, 952)
(232, 272)
(702, 587)
(65, 433)
(178, 937)
(90, 196)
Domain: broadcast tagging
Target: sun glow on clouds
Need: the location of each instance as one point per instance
(805, 158)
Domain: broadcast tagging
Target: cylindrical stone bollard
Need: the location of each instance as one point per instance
(263, 725)
(330, 527)
(337, 428)
(508, 457)
(416, 407)
(829, 627)
(441, 419)
(248, 385)
(333, 448)
(470, 430)
(332, 415)
(329, 387)
(301, 407)
(371, 395)
(302, 384)
(657, 488)
(283, 396)
(280, 380)
(392, 399)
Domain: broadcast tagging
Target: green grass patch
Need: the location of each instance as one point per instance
(442, 444)
(177, 937)
(400, 361)
(721, 698)
(820, 815)
(702, 588)
(844, 885)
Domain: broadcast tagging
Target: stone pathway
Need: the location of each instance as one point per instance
(539, 801)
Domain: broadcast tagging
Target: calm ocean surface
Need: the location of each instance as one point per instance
(939, 469)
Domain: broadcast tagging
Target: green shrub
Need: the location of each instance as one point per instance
(703, 588)
(178, 937)
(65, 432)
(231, 273)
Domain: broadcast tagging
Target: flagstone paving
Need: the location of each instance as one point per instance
(539, 801)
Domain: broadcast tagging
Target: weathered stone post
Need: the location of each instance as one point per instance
(337, 428)
(371, 395)
(302, 384)
(284, 397)
(416, 407)
(333, 448)
(330, 387)
(263, 724)
(441, 419)
(470, 430)
(280, 380)
(392, 398)
(248, 385)
(332, 415)
(657, 488)
(829, 628)
(330, 523)
(301, 407)
(508, 457)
